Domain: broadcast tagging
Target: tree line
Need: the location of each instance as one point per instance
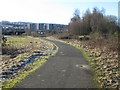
(93, 22)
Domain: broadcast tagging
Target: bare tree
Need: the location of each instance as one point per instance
(74, 25)
(93, 22)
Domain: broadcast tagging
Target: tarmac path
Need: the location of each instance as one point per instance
(67, 69)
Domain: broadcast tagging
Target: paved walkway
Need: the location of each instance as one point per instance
(67, 69)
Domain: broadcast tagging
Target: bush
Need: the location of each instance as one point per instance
(9, 50)
(65, 37)
(3, 41)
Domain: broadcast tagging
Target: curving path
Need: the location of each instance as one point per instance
(67, 69)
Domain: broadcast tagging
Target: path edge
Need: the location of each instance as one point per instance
(86, 56)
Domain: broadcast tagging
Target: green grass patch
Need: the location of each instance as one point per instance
(18, 40)
(85, 37)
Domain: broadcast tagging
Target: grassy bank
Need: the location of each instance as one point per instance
(23, 48)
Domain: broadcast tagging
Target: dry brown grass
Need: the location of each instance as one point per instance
(105, 52)
(18, 50)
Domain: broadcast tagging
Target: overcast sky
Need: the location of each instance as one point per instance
(51, 11)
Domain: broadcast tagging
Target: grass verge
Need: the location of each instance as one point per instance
(91, 64)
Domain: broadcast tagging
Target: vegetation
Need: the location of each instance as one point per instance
(95, 22)
(94, 33)
(12, 32)
(21, 56)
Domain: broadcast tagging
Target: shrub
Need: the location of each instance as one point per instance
(9, 50)
(64, 37)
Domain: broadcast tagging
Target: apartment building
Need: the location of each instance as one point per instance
(42, 28)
